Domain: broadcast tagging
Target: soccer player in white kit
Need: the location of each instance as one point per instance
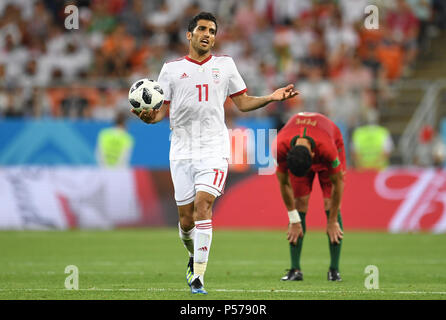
(195, 89)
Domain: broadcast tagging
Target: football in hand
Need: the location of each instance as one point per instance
(146, 94)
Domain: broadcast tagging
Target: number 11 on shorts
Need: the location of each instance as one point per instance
(216, 177)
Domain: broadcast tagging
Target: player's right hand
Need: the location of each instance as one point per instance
(148, 116)
(295, 232)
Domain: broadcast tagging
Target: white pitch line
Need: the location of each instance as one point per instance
(419, 292)
(233, 290)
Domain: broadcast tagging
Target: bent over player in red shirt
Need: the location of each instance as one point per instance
(307, 145)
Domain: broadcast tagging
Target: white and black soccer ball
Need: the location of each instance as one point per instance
(146, 94)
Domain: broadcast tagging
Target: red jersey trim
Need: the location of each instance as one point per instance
(198, 62)
(238, 93)
(166, 102)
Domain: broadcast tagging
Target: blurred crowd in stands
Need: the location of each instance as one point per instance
(340, 68)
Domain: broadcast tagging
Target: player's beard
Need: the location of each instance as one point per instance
(199, 50)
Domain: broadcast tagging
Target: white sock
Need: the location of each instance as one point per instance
(203, 240)
(187, 237)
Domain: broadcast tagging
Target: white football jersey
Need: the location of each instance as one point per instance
(196, 92)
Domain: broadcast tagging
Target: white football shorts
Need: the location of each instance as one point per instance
(190, 176)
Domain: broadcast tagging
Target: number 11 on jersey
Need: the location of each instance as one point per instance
(200, 95)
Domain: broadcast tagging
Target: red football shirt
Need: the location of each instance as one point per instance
(329, 145)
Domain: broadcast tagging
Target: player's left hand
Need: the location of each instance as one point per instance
(334, 232)
(284, 93)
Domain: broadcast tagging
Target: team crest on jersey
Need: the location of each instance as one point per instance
(216, 75)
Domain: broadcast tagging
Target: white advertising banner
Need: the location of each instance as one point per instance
(62, 198)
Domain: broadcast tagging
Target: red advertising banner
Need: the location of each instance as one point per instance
(395, 200)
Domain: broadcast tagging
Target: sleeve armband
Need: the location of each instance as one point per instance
(335, 163)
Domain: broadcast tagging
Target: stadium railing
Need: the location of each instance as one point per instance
(425, 114)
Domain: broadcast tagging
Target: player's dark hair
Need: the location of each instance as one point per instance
(299, 160)
(202, 16)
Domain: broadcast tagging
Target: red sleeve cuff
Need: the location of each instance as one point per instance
(238, 93)
(166, 102)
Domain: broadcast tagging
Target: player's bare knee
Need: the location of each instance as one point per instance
(186, 217)
(302, 204)
(187, 224)
(203, 206)
(203, 211)
(327, 204)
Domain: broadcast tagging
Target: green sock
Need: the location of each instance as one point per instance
(295, 250)
(335, 248)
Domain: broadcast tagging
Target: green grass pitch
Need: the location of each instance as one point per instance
(244, 265)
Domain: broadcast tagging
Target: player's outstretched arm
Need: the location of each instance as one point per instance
(333, 228)
(247, 103)
(151, 116)
(295, 230)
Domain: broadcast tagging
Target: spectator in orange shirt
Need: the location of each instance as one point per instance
(391, 56)
(119, 41)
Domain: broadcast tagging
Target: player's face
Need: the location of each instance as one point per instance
(202, 38)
